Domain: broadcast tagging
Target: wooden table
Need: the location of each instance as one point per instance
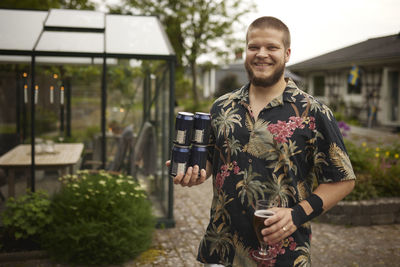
(19, 158)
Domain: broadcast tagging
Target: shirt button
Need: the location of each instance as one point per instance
(243, 212)
(250, 161)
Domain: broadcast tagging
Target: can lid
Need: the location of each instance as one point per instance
(203, 113)
(185, 113)
(197, 145)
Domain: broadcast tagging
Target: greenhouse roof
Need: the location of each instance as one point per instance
(58, 33)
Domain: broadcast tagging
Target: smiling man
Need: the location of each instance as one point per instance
(270, 141)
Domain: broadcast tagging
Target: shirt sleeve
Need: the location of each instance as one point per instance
(331, 159)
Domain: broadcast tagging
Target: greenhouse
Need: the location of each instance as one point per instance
(102, 82)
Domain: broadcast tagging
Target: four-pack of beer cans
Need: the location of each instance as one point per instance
(192, 132)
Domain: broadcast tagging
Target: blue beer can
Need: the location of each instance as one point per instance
(198, 156)
(201, 131)
(179, 159)
(183, 128)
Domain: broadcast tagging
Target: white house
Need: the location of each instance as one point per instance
(376, 101)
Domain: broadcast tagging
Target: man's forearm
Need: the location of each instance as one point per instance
(330, 193)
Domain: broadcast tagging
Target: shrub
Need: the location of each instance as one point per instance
(99, 218)
(377, 170)
(25, 219)
(360, 156)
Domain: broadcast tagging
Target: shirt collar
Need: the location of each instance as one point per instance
(242, 95)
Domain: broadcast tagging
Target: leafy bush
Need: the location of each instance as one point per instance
(25, 219)
(377, 170)
(99, 218)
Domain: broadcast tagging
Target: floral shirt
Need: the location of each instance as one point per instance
(294, 141)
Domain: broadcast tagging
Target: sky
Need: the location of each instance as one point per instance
(321, 26)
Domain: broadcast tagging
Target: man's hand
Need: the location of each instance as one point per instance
(191, 177)
(278, 226)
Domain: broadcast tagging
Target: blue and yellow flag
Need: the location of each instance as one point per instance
(354, 76)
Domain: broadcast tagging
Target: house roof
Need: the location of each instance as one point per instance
(371, 51)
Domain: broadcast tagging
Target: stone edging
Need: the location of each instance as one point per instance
(364, 212)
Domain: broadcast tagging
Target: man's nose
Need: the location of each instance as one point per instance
(263, 52)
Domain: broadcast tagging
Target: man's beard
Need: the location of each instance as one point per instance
(264, 82)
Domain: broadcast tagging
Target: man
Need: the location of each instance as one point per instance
(269, 140)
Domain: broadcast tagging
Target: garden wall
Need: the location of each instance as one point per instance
(364, 212)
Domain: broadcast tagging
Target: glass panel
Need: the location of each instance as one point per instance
(75, 19)
(11, 59)
(71, 42)
(10, 90)
(19, 30)
(64, 60)
(14, 118)
(124, 114)
(85, 85)
(135, 35)
(155, 95)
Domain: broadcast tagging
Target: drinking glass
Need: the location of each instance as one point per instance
(261, 213)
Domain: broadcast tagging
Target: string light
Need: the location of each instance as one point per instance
(62, 95)
(51, 94)
(36, 93)
(25, 93)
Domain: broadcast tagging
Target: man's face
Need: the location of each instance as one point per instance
(266, 56)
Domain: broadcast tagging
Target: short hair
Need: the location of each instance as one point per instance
(274, 23)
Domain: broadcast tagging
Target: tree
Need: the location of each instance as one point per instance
(195, 28)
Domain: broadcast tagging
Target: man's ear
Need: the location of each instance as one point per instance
(287, 55)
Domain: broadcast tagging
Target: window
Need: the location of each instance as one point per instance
(354, 89)
(319, 85)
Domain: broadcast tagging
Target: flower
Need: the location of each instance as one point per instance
(219, 181)
(396, 156)
(102, 182)
(283, 130)
(344, 128)
(364, 144)
(236, 169)
(122, 193)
